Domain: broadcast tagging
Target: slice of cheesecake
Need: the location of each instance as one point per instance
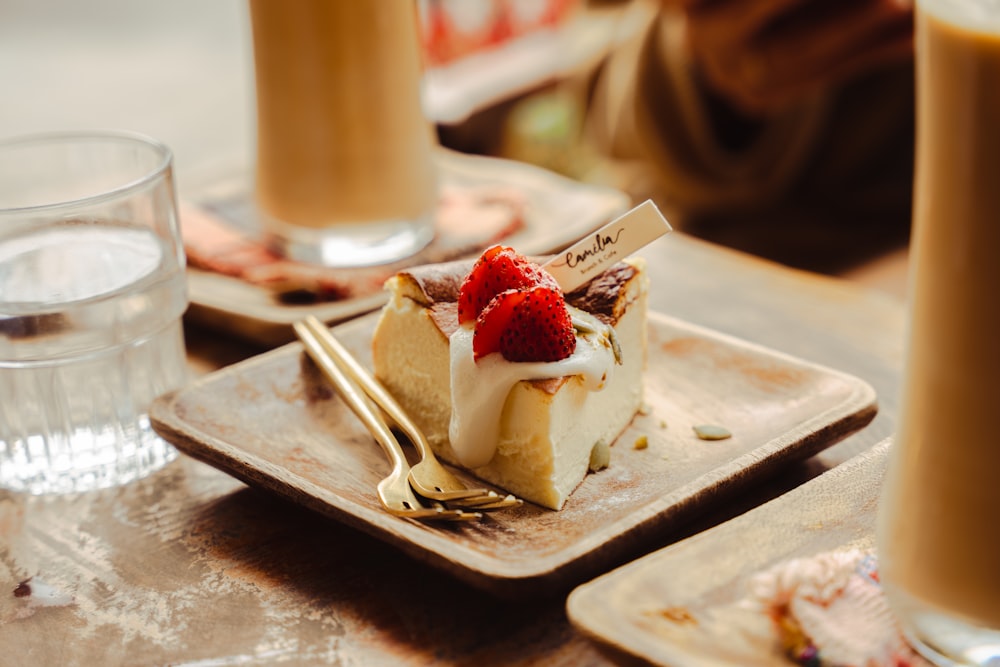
(548, 428)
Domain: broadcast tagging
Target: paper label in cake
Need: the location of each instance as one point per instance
(611, 243)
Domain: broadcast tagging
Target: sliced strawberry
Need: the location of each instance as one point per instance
(498, 269)
(492, 322)
(470, 299)
(539, 329)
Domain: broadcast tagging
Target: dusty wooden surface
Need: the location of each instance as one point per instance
(191, 567)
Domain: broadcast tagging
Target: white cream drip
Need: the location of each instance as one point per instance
(479, 389)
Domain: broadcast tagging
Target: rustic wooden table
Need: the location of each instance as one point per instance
(189, 566)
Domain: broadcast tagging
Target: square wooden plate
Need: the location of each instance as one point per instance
(274, 422)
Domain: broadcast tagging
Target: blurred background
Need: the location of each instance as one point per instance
(504, 78)
(182, 71)
(179, 71)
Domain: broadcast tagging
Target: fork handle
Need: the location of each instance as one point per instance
(368, 384)
(355, 399)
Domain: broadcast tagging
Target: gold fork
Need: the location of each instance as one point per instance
(428, 477)
(394, 491)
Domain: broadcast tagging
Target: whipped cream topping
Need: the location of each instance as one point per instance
(479, 389)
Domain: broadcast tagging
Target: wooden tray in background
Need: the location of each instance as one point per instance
(558, 212)
(273, 422)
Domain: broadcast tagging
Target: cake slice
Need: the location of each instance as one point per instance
(531, 437)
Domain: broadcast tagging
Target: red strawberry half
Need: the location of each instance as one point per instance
(526, 325)
(497, 270)
(492, 322)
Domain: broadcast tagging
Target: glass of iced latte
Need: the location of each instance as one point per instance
(939, 523)
(344, 152)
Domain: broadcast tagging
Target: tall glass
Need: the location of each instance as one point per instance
(92, 290)
(939, 522)
(344, 152)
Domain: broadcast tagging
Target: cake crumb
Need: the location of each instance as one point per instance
(642, 442)
(711, 432)
(663, 423)
(600, 456)
(679, 615)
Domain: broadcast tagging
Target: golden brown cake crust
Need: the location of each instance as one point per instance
(445, 316)
(602, 295)
(440, 284)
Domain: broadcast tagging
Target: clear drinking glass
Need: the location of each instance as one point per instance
(92, 290)
(939, 520)
(344, 153)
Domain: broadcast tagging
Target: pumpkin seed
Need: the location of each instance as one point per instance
(712, 432)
